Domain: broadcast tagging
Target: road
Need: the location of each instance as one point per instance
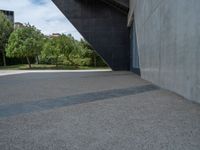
(96, 110)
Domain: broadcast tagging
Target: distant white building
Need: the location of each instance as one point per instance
(55, 35)
(18, 25)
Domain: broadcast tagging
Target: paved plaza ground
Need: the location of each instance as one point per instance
(95, 110)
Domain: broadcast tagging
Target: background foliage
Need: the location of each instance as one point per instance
(28, 45)
(6, 28)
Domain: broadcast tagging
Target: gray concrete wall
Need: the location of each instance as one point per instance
(168, 36)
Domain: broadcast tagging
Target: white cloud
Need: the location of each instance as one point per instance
(46, 17)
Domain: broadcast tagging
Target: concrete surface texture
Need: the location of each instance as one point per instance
(123, 2)
(94, 111)
(13, 72)
(168, 35)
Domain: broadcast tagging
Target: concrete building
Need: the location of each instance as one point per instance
(160, 40)
(18, 25)
(55, 35)
(9, 14)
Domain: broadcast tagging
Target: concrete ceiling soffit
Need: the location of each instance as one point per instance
(121, 5)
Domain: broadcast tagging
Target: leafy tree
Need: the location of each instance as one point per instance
(6, 28)
(40, 41)
(87, 51)
(28, 42)
(24, 42)
(68, 47)
(51, 51)
(57, 48)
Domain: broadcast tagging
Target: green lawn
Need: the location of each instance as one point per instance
(48, 67)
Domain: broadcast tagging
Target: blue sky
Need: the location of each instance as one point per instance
(38, 2)
(41, 13)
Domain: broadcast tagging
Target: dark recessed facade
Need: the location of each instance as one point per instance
(9, 14)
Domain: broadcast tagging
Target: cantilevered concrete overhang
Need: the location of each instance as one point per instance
(132, 5)
(103, 23)
(121, 2)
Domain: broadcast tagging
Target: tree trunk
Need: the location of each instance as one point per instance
(29, 64)
(56, 62)
(95, 61)
(37, 60)
(4, 58)
(21, 60)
